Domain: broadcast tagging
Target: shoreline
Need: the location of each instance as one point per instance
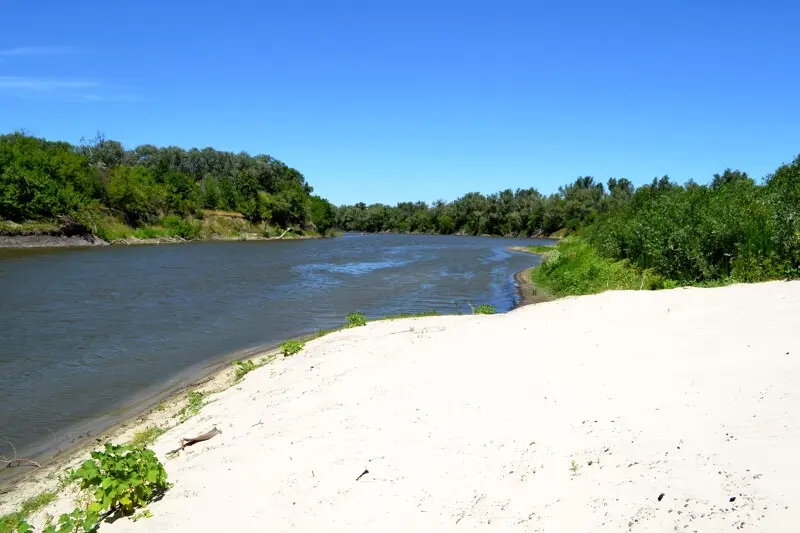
(588, 432)
(528, 292)
(89, 240)
(217, 378)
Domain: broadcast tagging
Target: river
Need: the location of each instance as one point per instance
(88, 335)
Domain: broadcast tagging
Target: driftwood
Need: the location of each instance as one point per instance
(284, 233)
(200, 438)
(21, 461)
(155, 240)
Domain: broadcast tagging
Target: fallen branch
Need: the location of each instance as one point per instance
(284, 233)
(200, 438)
(21, 461)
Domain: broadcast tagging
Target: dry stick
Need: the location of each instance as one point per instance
(199, 438)
(20, 461)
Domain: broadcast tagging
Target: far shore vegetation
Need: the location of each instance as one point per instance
(152, 193)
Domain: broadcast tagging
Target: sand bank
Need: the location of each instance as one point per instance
(572, 415)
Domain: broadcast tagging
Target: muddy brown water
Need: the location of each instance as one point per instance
(88, 334)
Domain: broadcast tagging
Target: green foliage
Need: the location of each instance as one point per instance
(540, 249)
(484, 309)
(121, 478)
(699, 234)
(181, 227)
(356, 319)
(146, 437)
(193, 405)
(243, 368)
(574, 267)
(40, 180)
(134, 192)
(292, 347)
(17, 522)
(323, 214)
(421, 314)
(78, 521)
(521, 212)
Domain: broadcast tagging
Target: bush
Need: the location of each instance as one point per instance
(356, 319)
(243, 368)
(575, 267)
(291, 347)
(122, 477)
(182, 227)
(697, 234)
(484, 309)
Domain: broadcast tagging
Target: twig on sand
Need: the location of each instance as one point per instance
(21, 461)
(200, 438)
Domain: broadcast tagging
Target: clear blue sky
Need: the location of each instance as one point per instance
(411, 100)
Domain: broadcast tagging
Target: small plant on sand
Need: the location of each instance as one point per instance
(291, 347)
(484, 309)
(356, 319)
(146, 437)
(78, 521)
(243, 368)
(574, 467)
(17, 522)
(195, 402)
(123, 478)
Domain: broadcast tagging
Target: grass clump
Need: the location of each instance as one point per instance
(17, 522)
(421, 314)
(146, 437)
(575, 267)
(356, 319)
(243, 368)
(193, 405)
(292, 347)
(484, 309)
(540, 249)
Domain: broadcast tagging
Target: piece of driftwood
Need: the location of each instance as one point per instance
(21, 461)
(200, 438)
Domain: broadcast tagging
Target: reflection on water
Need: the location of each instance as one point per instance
(85, 331)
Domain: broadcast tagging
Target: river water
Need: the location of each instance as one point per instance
(86, 335)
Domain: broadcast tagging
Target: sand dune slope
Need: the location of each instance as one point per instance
(571, 416)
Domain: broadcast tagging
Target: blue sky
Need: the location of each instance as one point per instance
(390, 101)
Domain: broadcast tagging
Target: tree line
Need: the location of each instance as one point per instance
(41, 180)
(524, 212)
(731, 228)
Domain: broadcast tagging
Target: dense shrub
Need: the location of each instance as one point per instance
(734, 229)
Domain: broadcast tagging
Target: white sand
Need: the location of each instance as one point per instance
(473, 423)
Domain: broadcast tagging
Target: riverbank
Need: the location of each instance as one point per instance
(529, 293)
(213, 227)
(637, 410)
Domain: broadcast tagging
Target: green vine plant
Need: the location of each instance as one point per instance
(117, 480)
(484, 309)
(356, 319)
(243, 368)
(291, 347)
(124, 478)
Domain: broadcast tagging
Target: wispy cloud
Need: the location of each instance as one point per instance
(63, 89)
(43, 84)
(39, 51)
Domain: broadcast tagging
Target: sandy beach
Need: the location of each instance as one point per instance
(625, 411)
